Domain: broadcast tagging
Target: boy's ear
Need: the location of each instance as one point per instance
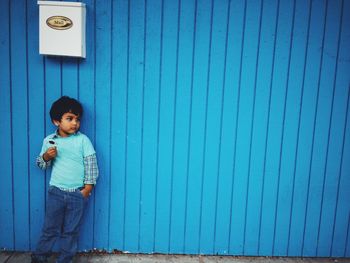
(56, 122)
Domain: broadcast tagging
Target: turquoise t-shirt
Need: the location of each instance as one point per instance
(68, 166)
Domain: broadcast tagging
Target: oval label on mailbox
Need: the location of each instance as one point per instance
(59, 22)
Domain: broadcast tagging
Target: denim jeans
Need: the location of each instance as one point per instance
(63, 219)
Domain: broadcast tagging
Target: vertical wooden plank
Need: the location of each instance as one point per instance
(166, 111)
(259, 89)
(86, 92)
(335, 144)
(181, 124)
(134, 132)
(240, 11)
(341, 220)
(291, 126)
(20, 123)
(36, 129)
(283, 180)
(213, 123)
(229, 99)
(103, 115)
(275, 128)
(150, 124)
(196, 147)
(308, 106)
(70, 76)
(347, 247)
(279, 243)
(299, 183)
(119, 123)
(6, 206)
(247, 62)
(263, 77)
(53, 86)
(260, 134)
(250, 43)
(322, 129)
(231, 102)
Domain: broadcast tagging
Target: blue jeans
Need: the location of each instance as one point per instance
(63, 218)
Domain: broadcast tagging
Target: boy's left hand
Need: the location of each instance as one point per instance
(86, 192)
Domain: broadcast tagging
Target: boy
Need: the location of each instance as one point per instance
(74, 173)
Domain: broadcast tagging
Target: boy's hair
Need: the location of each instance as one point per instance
(63, 105)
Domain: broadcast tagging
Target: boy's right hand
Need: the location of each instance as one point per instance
(50, 154)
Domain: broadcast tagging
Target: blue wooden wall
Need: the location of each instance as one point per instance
(222, 127)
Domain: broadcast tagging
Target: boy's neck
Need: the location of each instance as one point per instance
(62, 134)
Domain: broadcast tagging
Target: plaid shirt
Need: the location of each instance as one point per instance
(90, 169)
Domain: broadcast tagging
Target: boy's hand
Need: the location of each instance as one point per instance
(50, 154)
(86, 192)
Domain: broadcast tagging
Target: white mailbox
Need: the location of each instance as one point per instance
(62, 28)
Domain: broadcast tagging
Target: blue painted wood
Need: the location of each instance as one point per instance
(135, 102)
(221, 127)
(70, 77)
(6, 160)
(150, 115)
(36, 117)
(212, 126)
(165, 145)
(246, 82)
(291, 125)
(119, 123)
(299, 181)
(251, 225)
(279, 92)
(341, 216)
(19, 102)
(334, 147)
(226, 141)
(216, 84)
(237, 207)
(103, 121)
(321, 130)
(262, 117)
(308, 111)
(183, 69)
(199, 92)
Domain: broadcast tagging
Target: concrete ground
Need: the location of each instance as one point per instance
(16, 257)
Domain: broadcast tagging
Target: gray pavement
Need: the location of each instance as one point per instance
(17, 257)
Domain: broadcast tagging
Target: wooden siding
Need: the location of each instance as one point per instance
(222, 127)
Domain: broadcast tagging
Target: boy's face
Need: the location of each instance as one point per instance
(69, 124)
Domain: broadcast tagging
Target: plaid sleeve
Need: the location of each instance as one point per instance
(91, 169)
(40, 162)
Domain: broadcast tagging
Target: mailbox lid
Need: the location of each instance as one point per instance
(57, 3)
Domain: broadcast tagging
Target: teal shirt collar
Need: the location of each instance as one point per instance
(56, 135)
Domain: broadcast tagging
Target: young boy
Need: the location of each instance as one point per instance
(74, 173)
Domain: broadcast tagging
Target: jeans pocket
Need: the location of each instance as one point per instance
(81, 194)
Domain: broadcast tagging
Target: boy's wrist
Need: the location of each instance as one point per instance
(45, 157)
